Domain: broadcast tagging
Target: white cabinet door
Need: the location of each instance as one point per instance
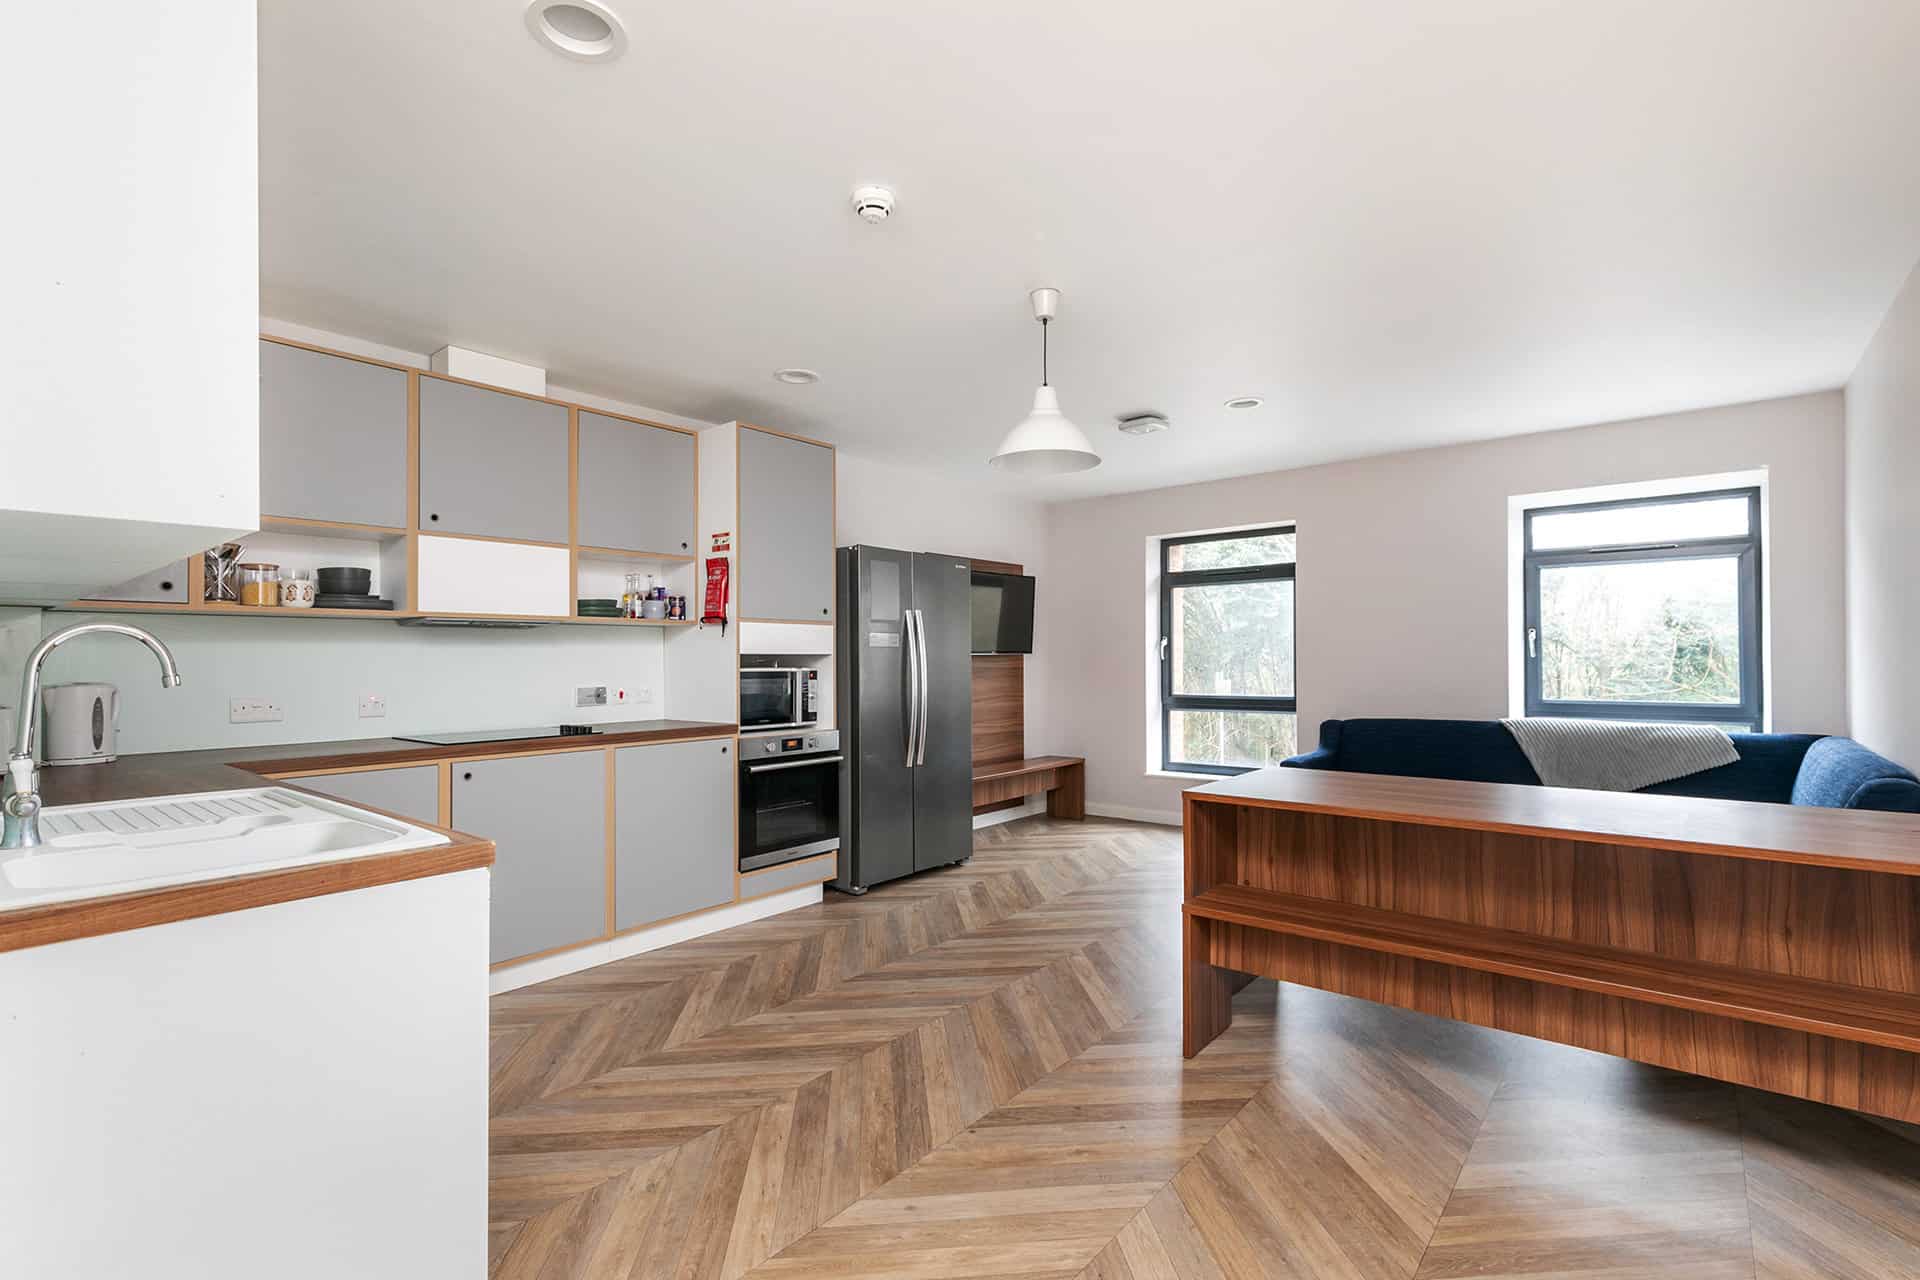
(461, 575)
(129, 291)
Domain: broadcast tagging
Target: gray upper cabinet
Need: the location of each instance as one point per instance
(636, 486)
(786, 528)
(547, 817)
(413, 792)
(492, 463)
(333, 438)
(674, 829)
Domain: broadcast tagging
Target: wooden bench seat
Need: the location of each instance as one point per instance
(1062, 778)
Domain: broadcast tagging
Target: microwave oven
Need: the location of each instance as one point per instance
(779, 697)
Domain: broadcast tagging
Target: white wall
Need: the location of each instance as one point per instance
(1403, 576)
(704, 662)
(129, 408)
(1883, 535)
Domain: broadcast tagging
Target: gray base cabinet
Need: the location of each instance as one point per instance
(786, 528)
(547, 817)
(673, 830)
(413, 793)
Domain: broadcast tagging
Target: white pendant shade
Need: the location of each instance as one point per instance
(1046, 443)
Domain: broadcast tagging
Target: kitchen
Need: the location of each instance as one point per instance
(611, 834)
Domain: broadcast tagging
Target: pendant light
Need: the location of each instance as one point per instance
(1045, 443)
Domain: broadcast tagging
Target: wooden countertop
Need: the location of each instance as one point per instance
(231, 769)
(1847, 838)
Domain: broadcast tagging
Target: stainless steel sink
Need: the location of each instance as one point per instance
(96, 849)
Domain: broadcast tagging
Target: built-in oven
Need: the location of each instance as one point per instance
(779, 697)
(789, 798)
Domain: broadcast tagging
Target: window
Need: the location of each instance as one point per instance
(1226, 651)
(1645, 609)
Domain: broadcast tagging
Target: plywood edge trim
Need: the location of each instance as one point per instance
(785, 435)
(1577, 835)
(66, 921)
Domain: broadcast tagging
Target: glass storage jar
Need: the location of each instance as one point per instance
(260, 584)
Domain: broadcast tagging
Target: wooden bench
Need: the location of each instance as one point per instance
(1063, 778)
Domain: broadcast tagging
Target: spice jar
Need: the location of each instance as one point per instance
(296, 589)
(260, 584)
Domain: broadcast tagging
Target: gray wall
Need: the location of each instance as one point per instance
(1883, 535)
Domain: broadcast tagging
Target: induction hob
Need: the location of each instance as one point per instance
(500, 735)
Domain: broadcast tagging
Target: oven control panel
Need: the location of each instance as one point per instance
(790, 744)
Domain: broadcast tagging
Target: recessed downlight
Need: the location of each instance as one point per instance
(1246, 402)
(582, 29)
(796, 377)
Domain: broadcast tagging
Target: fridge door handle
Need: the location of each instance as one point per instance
(910, 652)
(926, 686)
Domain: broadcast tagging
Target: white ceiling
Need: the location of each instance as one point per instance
(1402, 222)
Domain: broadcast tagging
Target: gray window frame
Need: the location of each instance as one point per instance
(1170, 701)
(1746, 550)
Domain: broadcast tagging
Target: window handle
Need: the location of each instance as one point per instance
(1163, 648)
(1533, 643)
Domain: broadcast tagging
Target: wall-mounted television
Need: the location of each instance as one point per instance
(1002, 612)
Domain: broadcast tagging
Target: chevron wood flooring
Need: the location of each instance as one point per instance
(977, 1073)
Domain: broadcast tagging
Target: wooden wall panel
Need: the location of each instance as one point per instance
(999, 708)
(999, 703)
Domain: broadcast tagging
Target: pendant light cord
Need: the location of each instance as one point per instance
(1043, 350)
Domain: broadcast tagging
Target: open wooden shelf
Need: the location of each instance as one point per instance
(619, 555)
(213, 610)
(1862, 1014)
(633, 622)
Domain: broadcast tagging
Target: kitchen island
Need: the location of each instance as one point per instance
(240, 1063)
(1776, 946)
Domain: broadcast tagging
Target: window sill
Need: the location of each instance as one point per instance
(1188, 775)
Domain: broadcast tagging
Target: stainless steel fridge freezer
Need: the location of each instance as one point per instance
(904, 676)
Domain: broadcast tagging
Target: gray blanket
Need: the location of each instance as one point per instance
(1618, 755)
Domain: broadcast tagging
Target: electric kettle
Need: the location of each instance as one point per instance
(78, 723)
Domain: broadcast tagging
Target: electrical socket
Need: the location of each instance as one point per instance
(372, 706)
(254, 711)
(590, 695)
(643, 695)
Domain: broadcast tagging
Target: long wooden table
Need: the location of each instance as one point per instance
(1776, 946)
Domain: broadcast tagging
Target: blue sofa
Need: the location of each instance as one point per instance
(1780, 768)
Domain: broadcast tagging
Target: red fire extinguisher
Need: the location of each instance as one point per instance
(718, 568)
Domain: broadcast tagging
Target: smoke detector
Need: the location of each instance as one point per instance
(1143, 424)
(873, 203)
